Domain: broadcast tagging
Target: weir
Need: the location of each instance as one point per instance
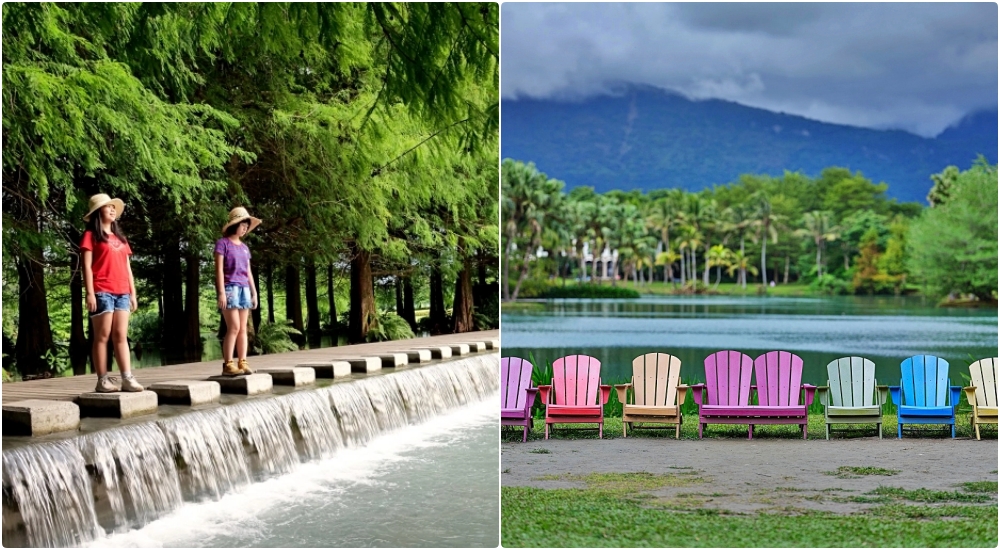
(68, 492)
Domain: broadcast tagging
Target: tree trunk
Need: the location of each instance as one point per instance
(332, 300)
(438, 316)
(79, 347)
(705, 275)
(255, 314)
(34, 336)
(362, 296)
(191, 339)
(763, 259)
(743, 269)
(683, 267)
(399, 295)
(172, 337)
(819, 262)
(462, 305)
(270, 293)
(787, 261)
(313, 332)
(293, 301)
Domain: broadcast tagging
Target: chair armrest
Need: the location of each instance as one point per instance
(956, 394)
(823, 394)
(544, 390)
(810, 392)
(883, 394)
(529, 399)
(894, 392)
(696, 391)
(682, 391)
(970, 395)
(605, 393)
(622, 390)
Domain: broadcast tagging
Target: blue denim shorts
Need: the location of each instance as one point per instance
(238, 297)
(107, 302)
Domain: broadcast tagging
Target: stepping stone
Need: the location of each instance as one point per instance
(118, 404)
(328, 369)
(39, 417)
(492, 343)
(365, 364)
(459, 349)
(391, 360)
(476, 347)
(439, 352)
(244, 384)
(187, 392)
(419, 355)
(290, 376)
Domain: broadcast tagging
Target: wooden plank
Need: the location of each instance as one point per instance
(661, 375)
(639, 380)
(907, 374)
(942, 383)
(745, 369)
(673, 379)
(869, 383)
(833, 374)
(989, 381)
(712, 378)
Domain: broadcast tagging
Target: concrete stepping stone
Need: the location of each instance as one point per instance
(245, 384)
(365, 364)
(459, 349)
(492, 343)
(392, 360)
(39, 417)
(120, 404)
(439, 352)
(328, 369)
(290, 376)
(187, 392)
(476, 347)
(419, 355)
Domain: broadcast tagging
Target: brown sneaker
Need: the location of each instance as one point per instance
(129, 383)
(245, 367)
(229, 369)
(107, 384)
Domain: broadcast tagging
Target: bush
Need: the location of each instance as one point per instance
(590, 291)
(275, 338)
(389, 326)
(145, 326)
(828, 284)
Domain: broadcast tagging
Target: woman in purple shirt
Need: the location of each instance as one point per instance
(235, 287)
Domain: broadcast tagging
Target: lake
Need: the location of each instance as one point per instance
(883, 329)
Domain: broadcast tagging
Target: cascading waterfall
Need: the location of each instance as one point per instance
(69, 492)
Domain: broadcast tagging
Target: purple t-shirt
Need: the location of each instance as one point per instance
(235, 262)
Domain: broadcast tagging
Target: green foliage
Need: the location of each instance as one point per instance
(589, 291)
(275, 338)
(828, 284)
(389, 326)
(145, 325)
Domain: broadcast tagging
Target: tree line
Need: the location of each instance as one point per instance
(839, 232)
(364, 135)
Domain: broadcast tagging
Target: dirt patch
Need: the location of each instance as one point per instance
(788, 476)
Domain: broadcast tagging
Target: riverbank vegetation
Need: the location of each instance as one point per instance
(837, 233)
(364, 135)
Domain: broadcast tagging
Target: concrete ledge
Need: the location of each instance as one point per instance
(187, 392)
(290, 376)
(328, 369)
(392, 360)
(245, 384)
(418, 355)
(118, 404)
(459, 349)
(492, 343)
(439, 352)
(40, 417)
(476, 347)
(365, 364)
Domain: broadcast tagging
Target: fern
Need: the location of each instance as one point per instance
(276, 338)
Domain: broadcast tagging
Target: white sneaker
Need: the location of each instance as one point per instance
(129, 383)
(107, 384)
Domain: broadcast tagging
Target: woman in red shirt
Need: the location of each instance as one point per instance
(110, 290)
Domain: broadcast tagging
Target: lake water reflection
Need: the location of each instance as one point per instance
(884, 329)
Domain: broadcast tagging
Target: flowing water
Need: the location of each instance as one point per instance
(366, 463)
(884, 329)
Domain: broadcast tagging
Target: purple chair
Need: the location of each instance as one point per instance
(516, 394)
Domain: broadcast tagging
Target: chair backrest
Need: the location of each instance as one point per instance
(852, 382)
(984, 378)
(575, 379)
(515, 375)
(779, 378)
(924, 379)
(654, 379)
(727, 378)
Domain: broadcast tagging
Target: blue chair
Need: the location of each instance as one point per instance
(925, 394)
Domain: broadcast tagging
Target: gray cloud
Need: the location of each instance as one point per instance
(918, 67)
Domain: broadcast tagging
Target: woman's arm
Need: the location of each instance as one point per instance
(220, 282)
(133, 299)
(253, 287)
(88, 279)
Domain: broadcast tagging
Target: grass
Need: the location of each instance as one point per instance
(540, 451)
(628, 482)
(930, 496)
(854, 472)
(981, 486)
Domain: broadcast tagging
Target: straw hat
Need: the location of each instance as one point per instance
(100, 200)
(239, 214)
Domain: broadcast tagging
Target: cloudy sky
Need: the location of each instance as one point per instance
(917, 67)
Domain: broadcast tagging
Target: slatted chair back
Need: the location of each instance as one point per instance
(515, 375)
(779, 378)
(575, 379)
(654, 379)
(727, 378)
(984, 378)
(924, 379)
(852, 382)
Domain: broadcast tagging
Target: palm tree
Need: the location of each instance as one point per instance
(765, 221)
(738, 219)
(740, 261)
(818, 225)
(528, 196)
(663, 214)
(719, 256)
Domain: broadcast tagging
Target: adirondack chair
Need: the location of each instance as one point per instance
(852, 395)
(657, 394)
(517, 395)
(727, 391)
(982, 394)
(576, 395)
(925, 394)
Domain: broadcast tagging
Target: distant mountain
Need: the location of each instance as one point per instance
(649, 138)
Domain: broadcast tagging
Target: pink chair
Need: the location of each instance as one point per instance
(572, 398)
(516, 396)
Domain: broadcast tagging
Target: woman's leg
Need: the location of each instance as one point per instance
(119, 337)
(241, 341)
(99, 351)
(232, 317)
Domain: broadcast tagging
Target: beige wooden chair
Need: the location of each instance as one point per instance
(656, 392)
(982, 394)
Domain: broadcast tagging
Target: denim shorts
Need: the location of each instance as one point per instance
(107, 302)
(238, 297)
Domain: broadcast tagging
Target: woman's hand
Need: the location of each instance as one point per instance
(133, 302)
(222, 301)
(253, 299)
(91, 302)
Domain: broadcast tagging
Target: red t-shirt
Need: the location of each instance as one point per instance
(110, 263)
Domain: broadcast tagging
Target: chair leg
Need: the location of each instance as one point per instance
(546, 430)
(600, 431)
(977, 431)
(677, 431)
(805, 431)
(624, 428)
(953, 431)
(525, 438)
(700, 428)
(899, 431)
(750, 432)
(878, 427)
(828, 432)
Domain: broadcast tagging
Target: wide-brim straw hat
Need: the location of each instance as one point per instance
(101, 200)
(240, 214)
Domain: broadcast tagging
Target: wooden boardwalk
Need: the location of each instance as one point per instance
(68, 388)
